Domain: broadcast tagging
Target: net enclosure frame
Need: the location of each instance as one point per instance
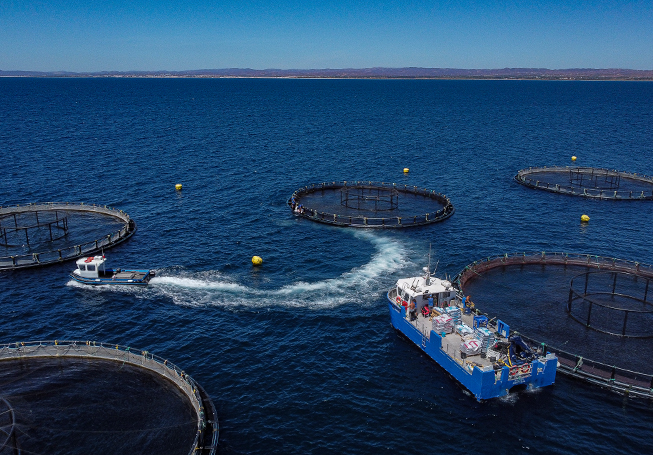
(207, 433)
(584, 298)
(611, 377)
(387, 193)
(7, 427)
(43, 258)
(606, 182)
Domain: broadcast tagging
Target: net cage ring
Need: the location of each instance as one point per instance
(358, 203)
(205, 426)
(612, 377)
(588, 182)
(51, 220)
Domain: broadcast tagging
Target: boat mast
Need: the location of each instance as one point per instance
(427, 278)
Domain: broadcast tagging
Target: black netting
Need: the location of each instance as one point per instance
(531, 292)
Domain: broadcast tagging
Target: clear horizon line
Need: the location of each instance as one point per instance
(387, 68)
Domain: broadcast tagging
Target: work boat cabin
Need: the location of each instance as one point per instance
(417, 292)
(92, 270)
(91, 267)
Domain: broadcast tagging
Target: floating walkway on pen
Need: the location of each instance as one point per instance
(135, 400)
(368, 204)
(40, 234)
(605, 311)
(589, 182)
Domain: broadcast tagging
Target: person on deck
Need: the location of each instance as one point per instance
(470, 304)
(412, 311)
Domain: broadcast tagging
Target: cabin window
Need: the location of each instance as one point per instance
(91, 268)
(82, 267)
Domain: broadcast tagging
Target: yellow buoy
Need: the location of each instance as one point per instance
(584, 218)
(406, 170)
(257, 260)
(178, 186)
(573, 158)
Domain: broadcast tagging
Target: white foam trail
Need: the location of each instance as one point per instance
(510, 399)
(387, 258)
(194, 283)
(354, 286)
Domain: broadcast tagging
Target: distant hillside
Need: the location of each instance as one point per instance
(371, 73)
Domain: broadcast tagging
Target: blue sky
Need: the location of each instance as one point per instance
(121, 35)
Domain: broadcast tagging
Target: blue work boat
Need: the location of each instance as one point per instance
(485, 358)
(92, 270)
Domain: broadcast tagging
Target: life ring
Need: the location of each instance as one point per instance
(398, 300)
(89, 259)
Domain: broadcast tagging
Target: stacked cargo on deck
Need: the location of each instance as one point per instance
(455, 314)
(464, 330)
(470, 347)
(485, 337)
(443, 324)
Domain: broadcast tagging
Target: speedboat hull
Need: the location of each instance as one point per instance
(122, 278)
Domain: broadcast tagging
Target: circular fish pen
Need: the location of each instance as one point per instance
(34, 235)
(533, 291)
(370, 204)
(589, 182)
(81, 397)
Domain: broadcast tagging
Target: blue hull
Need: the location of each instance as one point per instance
(482, 383)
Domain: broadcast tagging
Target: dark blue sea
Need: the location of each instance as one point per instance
(298, 355)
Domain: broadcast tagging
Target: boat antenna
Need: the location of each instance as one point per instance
(436, 264)
(427, 269)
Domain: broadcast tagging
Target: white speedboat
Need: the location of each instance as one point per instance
(92, 270)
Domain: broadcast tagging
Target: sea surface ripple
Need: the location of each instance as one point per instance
(299, 355)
